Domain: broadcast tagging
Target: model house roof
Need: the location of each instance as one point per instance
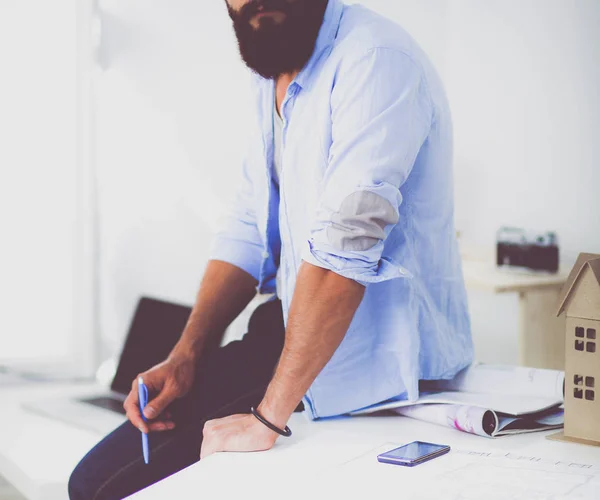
(584, 261)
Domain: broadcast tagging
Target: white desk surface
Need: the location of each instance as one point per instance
(484, 275)
(37, 454)
(337, 459)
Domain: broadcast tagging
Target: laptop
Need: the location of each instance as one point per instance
(154, 331)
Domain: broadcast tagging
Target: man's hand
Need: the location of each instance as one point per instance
(236, 433)
(167, 381)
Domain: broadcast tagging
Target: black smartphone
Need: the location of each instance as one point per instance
(414, 453)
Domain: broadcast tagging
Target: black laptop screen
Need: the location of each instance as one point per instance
(154, 331)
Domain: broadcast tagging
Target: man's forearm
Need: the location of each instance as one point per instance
(322, 309)
(224, 293)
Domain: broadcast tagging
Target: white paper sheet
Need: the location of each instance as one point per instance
(505, 403)
(466, 474)
(501, 388)
(504, 379)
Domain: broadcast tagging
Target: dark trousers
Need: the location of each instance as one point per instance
(229, 380)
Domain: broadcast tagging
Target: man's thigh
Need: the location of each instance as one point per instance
(230, 380)
(115, 467)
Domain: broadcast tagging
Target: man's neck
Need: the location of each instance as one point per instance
(281, 85)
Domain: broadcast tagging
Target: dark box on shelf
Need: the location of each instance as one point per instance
(515, 249)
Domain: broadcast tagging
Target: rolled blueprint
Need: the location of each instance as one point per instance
(483, 422)
(469, 419)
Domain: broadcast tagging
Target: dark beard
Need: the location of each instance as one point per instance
(274, 49)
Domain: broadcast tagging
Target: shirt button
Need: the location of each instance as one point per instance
(265, 255)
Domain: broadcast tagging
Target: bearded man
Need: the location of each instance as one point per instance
(345, 215)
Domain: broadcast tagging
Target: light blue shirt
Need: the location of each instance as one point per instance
(365, 191)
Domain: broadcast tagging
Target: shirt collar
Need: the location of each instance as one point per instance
(327, 34)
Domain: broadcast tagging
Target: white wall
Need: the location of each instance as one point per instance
(38, 180)
(522, 78)
(172, 105)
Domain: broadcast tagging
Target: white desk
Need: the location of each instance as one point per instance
(337, 459)
(37, 454)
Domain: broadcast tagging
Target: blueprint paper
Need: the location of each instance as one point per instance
(466, 474)
(513, 390)
(480, 421)
(504, 379)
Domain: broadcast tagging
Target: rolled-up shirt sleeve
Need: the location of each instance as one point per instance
(381, 116)
(238, 240)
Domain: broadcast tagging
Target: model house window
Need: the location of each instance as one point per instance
(582, 390)
(590, 335)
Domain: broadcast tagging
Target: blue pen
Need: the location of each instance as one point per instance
(143, 395)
